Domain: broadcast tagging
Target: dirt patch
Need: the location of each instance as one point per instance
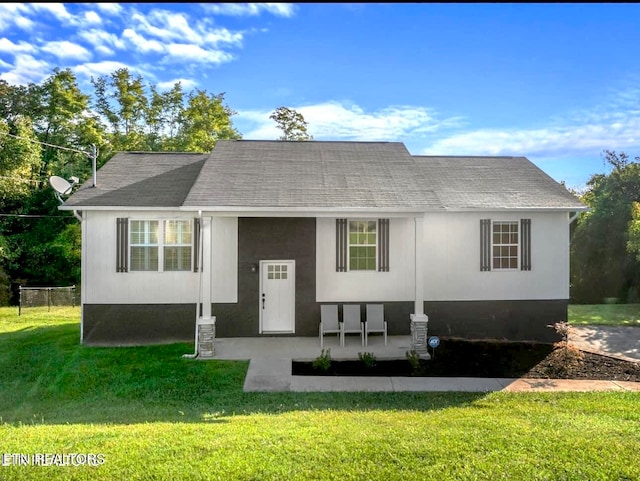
(459, 358)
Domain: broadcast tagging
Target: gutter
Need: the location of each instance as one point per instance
(574, 217)
(199, 256)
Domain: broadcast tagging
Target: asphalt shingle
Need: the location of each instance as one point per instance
(141, 179)
(310, 174)
(494, 183)
(320, 174)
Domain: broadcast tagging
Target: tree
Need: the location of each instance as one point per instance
(292, 124)
(164, 117)
(205, 120)
(122, 100)
(20, 162)
(50, 125)
(605, 245)
(64, 118)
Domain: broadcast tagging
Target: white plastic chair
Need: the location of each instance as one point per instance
(329, 321)
(375, 322)
(351, 322)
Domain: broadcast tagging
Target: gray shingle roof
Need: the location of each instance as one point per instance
(310, 174)
(494, 183)
(319, 174)
(141, 179)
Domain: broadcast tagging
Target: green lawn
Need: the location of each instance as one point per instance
(605, 314)
(150, 414)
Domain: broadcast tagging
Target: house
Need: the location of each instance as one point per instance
(258, 234)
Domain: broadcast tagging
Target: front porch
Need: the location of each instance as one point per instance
(307, 348)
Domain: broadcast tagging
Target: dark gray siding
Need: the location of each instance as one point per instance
(272, 238)
(130, 324)
(163, 323)
(512, 320)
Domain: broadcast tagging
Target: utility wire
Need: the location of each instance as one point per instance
(37, 216)
(20, 180)
(48, 145)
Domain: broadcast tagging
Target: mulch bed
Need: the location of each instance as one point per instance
(461, 358)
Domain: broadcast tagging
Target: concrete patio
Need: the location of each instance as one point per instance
(270, 367)
(308, 348)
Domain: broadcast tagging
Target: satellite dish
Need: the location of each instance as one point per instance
(60, 185)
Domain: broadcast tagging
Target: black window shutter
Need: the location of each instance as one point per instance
(485, 244)
(525, 244)
(383, 245)
(341, 245)
(196, 244)
(122, 244)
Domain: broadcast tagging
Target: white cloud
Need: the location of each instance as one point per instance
(222, 35)
(187, 84)
(102, 41)
(58, 10)
(165, 25)
(141, 44)
(67, 50)
(109, 8)
(8, 46)
(26, 69)
(613, 125)
(242, 9)
(195, 53)
(92, 18)
(179, 38)
(542, 142)
(97, 69)
(11, 14)
(168, 26)
(334, 120)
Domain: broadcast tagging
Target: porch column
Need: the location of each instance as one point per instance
(206, 324)
(419, 320)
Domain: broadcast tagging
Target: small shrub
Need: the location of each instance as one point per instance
(367, 358)
(570, 356)
(323, 361)
(414, 359)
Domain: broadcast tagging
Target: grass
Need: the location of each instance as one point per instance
(153, 415)
(604, 314)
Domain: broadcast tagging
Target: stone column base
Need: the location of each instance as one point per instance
(206, 335)
(419, 335)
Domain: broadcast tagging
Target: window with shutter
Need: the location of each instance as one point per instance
(505, 245)
(362, 245)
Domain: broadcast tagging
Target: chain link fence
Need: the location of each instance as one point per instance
(46, 297)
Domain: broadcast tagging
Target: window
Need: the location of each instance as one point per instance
(359, 241)
(177, 245)
(156, 245)
(505, 245)
(144, 245)
(277, 271)
(362, 245)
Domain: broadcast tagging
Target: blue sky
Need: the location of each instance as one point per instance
(558, 83)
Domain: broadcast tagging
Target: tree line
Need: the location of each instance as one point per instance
(46, 129)
(605, 242)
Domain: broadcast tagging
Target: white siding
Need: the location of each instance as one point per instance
(359, 286)
(452, 259)
(103, 285)
(451, 262)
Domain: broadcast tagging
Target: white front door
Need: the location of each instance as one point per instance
(277, 296)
